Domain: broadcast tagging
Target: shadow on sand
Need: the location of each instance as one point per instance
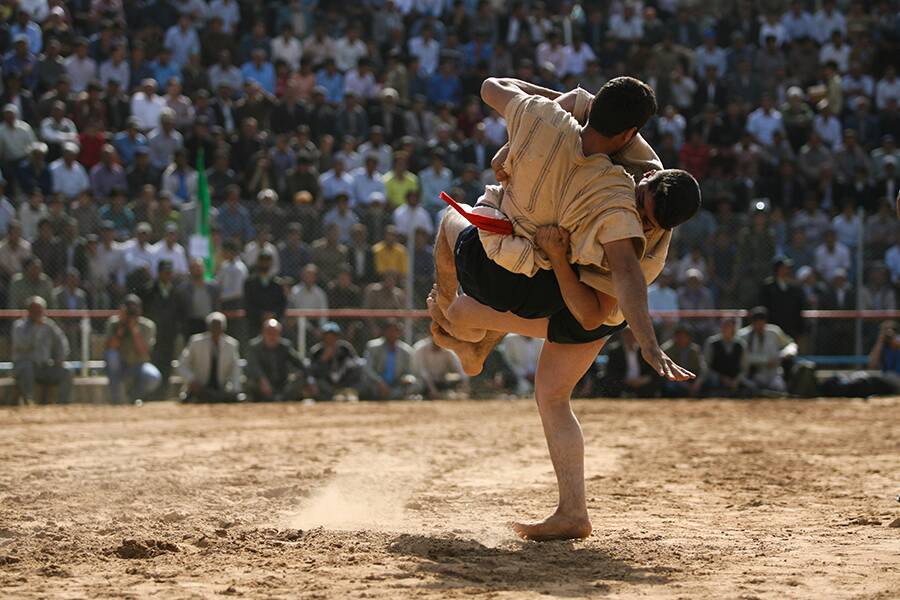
(560, 568)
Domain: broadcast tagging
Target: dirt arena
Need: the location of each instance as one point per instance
(780, 499)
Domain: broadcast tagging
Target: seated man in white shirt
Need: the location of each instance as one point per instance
(210, 365)
(439, 371)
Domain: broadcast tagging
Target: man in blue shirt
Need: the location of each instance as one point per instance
(234, 219)
(444, 86)
(165, 68)
(127, 142)
(332, 81)
(260, 71)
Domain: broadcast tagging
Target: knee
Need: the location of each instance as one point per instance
(552, 394)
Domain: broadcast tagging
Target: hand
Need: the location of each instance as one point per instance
(195, 387)
(664, 365)
(497, 164)
(265, 387)
(553, 240)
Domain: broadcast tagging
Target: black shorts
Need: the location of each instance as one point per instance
(528, 297)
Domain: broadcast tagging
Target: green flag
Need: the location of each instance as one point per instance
(203, 225)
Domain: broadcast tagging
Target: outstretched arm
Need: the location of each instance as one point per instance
(631, 290)
(498, 91)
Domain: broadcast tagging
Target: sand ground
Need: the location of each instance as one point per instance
(743, 500)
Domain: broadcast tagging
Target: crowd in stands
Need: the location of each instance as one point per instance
(326, 131)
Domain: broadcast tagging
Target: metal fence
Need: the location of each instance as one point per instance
(84, 327)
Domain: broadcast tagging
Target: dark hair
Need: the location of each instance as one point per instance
(622, 103)
(676, 197)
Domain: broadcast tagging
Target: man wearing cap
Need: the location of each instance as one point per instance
(128, 141)
(33, 173)
(210, 365)
(57, 129)
(39, 349)
(768, 346)
(141, 172)
(139, 252)
(16, 138)
(107, 175)
(334, 364)
(130, 338)
(302, 178)
(168, 249)
(275, 371)
(69, 176)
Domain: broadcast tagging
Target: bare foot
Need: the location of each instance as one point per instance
(439, 316)
(467, 352)
(555, 527)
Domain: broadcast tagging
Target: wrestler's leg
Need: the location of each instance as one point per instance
(471, 355)
(446, 283)
(469, 313)
(560, 366)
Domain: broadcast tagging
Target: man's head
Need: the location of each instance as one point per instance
(132, 305)
(682, 336)
(36, 307)
(331, 333)
(197, 269)
(32, 267)
(310, 275)
(271, 333)
(667, 198)
(621, 107)
(164, 271)
(727, 328)
(391, 332)
(759, 318)
(215, 324)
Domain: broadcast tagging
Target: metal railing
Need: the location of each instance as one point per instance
(303, 317)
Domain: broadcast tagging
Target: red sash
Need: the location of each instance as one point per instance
(485, 223)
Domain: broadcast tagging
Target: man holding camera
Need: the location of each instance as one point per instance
(130, 338)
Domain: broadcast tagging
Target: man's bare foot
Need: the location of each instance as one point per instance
(555, 527)
(467, 352)
(439, 316)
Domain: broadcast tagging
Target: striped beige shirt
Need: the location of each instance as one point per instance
(552, 182)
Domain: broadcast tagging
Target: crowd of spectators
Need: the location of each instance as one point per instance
(326, 131)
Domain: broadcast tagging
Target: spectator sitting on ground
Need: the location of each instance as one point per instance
(130, 339)
(727, 362)
(768, 346)
(885, 356)
(210, 365)
(686, 353)
(627, 374)
(389, 360)
(275, 371)
(335, 366)
(39, 348)
(521, 353)
(439, 371)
